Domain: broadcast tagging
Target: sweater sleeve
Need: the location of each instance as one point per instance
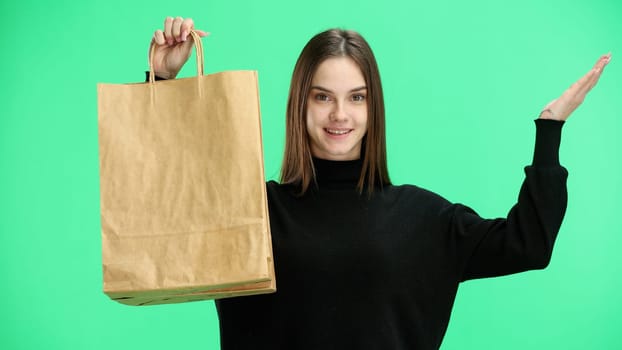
(524, 239)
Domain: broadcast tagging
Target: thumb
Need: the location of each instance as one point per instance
(201, 33)
(187, 45)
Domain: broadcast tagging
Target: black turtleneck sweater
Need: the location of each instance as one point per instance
(381, 272)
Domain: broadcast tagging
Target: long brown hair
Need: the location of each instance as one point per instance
(297, 167)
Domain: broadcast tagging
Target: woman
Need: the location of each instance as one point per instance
(385, 260)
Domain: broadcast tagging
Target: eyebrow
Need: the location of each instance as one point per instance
(327, 90)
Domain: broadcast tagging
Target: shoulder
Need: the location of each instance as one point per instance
(276, 189)
(272, 184)
(275, 186)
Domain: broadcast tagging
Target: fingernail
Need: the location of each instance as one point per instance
(184, 35)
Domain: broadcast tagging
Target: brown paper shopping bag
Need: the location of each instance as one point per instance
(183, 197)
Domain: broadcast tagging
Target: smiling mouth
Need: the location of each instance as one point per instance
(338, 131)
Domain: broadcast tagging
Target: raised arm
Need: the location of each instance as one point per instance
(524, 240)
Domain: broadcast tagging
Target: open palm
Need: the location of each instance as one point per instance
(562, 107)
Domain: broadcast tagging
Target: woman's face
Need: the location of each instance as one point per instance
(337, 110)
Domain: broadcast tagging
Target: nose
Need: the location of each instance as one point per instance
(338, 114)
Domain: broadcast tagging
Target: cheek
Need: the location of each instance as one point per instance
(312, 117)
(310, 126)
(363, 118)
(308, 120)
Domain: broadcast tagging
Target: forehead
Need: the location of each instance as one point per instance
(338, 74)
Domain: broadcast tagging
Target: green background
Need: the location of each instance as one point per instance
(463, 82)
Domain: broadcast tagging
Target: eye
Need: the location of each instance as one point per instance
(358, 97)
(322, 97)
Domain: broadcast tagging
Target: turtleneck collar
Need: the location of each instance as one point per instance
(333, 173)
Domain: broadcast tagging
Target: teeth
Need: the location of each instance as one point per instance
(337, 132)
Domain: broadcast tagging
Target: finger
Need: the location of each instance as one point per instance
(201, 33)
(186, 26)
(158, 37)
(592, 81)
(587, 81)
(599, 66)
(595, 73)
(592, 76)
(602, 61)
(168, 25)
(576, 95)
(585, 89)
(176, 29)
(583, 84)
(576, 87)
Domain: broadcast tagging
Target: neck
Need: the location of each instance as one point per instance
(341, 174)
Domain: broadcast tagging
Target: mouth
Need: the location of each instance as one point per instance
(337, 132)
